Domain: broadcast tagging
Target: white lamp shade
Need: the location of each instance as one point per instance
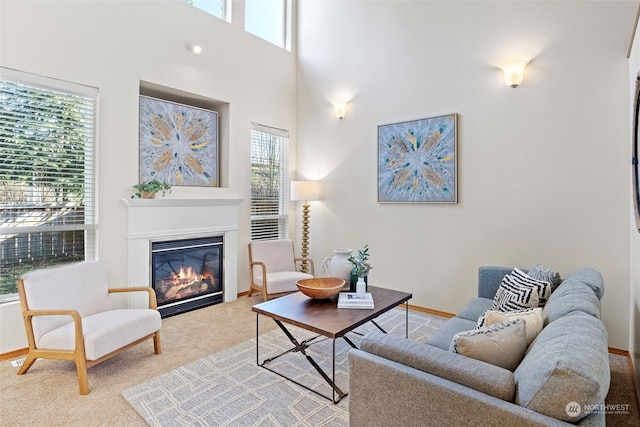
(514, 72)
(340, 108)
(305, 190)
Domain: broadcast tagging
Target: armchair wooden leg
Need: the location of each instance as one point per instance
(157, 349)
(28, 362)
(83, 380)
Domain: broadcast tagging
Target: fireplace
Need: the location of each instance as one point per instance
(155, 222)
(187, 273)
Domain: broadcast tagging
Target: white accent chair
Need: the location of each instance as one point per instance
(272, 268)
(67, 315)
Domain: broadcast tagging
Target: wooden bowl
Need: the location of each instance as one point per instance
(320, 287)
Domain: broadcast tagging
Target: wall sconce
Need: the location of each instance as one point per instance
(193, 48)
(514, 72)
(340, 108)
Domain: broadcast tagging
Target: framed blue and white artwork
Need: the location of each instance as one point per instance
(178, 143)
(417, 161)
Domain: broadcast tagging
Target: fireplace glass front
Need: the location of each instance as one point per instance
(187, 274)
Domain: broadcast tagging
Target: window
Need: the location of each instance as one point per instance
(47, 174)
(217, 8)
(267, 19)
(269, 183)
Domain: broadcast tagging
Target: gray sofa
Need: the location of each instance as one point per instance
(562, 380)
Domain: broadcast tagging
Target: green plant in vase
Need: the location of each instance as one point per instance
(361, 266)
(148, 190)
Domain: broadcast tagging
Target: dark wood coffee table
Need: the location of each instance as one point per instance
(327, 320)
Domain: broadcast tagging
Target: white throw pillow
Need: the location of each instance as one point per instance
(502, 344)
(532, 318)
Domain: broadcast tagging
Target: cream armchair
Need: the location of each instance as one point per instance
(67, 315)
(272, 268)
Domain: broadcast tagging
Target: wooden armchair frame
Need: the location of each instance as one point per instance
(264, 288)
(78, 354)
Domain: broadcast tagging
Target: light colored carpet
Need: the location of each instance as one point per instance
(229, 389)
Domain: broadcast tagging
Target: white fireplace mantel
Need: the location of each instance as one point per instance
(181, 202)
(151, 220)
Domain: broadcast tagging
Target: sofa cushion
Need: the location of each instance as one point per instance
(531, 316)
(546, 274)
(472, 373)
(105, 332)
(589, 277)
(502, 344)
(443, 336)
(569, 297)
(475, 308)
(282, 281)
(514, 296)
(568, 362)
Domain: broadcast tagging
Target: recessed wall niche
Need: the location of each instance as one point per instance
(165, 93)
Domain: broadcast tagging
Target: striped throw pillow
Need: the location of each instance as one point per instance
(539, 272)
(543, 287)
(515, 296)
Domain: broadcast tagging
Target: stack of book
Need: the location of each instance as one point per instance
(353, 300)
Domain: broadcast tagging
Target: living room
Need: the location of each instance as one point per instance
(543, 169)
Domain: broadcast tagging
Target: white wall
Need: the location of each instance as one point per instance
(634, 318)
(543, 169)
(113, 46)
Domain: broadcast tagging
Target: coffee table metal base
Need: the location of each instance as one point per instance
(302, 346)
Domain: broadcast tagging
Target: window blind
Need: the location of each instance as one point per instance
(269, 183)
(47, 174)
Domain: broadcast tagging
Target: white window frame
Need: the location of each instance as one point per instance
(225, 13)
(285, 31)
(259, 214)
(11, 82)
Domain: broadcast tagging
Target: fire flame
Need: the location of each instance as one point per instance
(186, 277)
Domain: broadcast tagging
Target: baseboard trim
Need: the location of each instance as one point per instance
(618, 351)
(14, 354)
(431, 311)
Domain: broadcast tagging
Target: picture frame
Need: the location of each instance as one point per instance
(417, 161)
(178, 143)
(635, 173)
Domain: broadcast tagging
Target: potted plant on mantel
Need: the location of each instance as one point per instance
(149, 189)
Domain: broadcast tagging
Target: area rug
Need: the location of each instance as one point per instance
(227, 388)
